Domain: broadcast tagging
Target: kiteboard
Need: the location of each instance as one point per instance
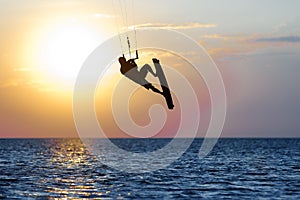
(163, 83)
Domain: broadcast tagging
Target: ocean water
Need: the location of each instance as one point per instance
(235, 169)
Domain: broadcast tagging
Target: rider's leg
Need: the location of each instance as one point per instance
(154, 89)
(145, 69)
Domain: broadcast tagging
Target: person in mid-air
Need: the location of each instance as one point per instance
(130, 69)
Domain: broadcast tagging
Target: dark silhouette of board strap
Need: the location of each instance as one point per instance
(163, 83)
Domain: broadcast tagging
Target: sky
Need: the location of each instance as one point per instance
(255, 45)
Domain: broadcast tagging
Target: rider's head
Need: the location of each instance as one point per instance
(122, 60)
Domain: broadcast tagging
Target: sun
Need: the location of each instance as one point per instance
(64, 49)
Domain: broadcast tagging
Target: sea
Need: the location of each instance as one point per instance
(236, 168)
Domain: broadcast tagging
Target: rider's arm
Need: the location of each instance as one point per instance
(131, 61)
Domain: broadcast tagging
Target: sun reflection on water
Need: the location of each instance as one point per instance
(69, 158)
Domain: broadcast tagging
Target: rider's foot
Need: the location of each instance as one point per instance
(155, 60)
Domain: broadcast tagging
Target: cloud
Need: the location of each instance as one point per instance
(288, 27)
(230, 38)
(22, 69)
(9, 83)
(292, 39)
(20, 85)
(223, 46)
(16, 82)
(217, 36)
(173, 26)
(102, 15)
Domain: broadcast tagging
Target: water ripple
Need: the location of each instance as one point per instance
(236, 168)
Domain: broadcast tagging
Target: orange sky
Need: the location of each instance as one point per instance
(43, 45)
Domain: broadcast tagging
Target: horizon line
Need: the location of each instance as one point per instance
(246, 137)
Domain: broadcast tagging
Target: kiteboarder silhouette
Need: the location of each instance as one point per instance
(130, 69)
